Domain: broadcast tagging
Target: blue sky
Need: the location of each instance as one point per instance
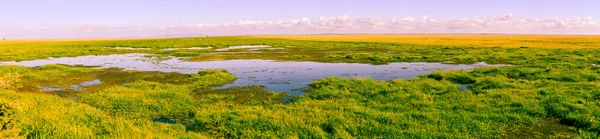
(26, 14)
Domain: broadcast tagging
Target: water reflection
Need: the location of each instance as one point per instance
(276, 76)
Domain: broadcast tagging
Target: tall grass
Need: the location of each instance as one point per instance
(11, 81)
(47, 116)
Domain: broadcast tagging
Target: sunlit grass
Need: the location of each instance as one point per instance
(544, 93)
(509, 41)
(47, 116)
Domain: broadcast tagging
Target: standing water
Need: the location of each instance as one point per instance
(275, 75)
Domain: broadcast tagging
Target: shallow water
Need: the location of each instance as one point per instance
(165, 120)
(86, 84)
(244, 47)
(463, 87)
(192, 48)
(276, 76)
(73, 87)
(129, 48)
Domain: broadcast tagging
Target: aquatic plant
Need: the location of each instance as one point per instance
(211, 77)
(549, 90)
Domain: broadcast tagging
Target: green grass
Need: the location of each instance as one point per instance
(299, 50)
(544, 93)
(48, 116)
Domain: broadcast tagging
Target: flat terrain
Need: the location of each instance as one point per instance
(509, 41)
(545, 87)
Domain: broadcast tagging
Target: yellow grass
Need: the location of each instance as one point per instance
(536, 41)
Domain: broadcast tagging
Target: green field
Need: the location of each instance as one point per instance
(550, 89)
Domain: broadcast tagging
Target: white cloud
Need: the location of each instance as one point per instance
(507, 23)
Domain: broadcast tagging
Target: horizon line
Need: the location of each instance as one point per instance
(320, 34)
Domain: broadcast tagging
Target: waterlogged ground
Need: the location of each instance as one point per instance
(551, 89)
(290, 77)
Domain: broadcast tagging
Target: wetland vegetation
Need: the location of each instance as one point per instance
(548, 89)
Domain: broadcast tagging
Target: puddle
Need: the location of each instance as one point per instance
(463, 87)
(287, 100)
(90, 83)
(256, 49)
(128, 48)
(193, 48)
(244, 47)
(86, 84)
(276, 76)
(51, 89)
(73, 87)
(165, 120)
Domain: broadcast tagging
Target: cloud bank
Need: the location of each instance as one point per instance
(506, 24)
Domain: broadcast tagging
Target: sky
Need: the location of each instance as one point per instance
(161, 18)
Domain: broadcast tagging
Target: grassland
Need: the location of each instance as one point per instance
(491, 40)
(551, 90)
